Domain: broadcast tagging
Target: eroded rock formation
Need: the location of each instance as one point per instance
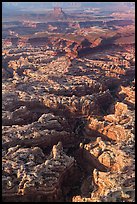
(68, 122)
(28, 174)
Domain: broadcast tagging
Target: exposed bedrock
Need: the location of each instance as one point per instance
(68, 122)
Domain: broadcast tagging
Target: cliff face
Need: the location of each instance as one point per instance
(68, 46)
(79, 48)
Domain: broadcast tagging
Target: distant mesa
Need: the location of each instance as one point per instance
(58, 13)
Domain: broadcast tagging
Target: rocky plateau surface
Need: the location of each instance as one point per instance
(68, 126)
